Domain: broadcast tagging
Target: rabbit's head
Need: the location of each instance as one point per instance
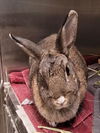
(57, 80)
(56, 75)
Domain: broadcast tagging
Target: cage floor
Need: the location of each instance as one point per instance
(82, 121)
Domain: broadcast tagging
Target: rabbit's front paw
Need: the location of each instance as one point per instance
(53, 124)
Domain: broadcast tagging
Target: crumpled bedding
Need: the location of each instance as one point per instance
(80, 124)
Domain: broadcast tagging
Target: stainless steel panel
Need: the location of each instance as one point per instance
(35, 19)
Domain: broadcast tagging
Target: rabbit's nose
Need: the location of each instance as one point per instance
(61, 100)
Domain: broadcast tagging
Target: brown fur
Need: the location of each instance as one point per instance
(63, 115)
(52, 115)
(58, 72)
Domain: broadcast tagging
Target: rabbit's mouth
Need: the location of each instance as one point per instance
(64, 102)
(61, 102)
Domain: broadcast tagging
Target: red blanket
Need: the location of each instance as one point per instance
(80, 124)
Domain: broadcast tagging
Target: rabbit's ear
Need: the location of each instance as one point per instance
(67, 34)
(28, 46)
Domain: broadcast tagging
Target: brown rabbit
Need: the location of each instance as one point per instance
(57, 72)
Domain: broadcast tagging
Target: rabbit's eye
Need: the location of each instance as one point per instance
(67, 70)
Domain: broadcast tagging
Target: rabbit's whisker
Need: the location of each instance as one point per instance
(92, 100)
